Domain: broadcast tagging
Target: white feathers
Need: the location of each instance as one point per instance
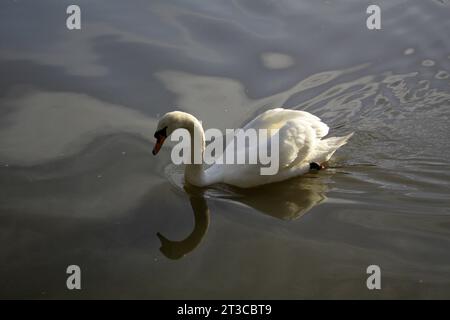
(300, 143)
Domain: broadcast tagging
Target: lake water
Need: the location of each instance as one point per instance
(79, 185)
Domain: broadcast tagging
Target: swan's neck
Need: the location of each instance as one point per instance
(194, 172)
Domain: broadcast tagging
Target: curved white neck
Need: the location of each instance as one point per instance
(193, 172)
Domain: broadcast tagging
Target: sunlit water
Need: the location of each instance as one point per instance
(79, 184)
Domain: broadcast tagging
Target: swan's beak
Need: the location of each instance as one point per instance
(158, 145)
(160, 136)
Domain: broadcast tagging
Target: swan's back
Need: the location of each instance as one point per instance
(276, 118)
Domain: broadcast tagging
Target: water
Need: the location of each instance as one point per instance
(79, 184)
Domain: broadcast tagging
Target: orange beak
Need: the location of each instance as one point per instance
(159, 142)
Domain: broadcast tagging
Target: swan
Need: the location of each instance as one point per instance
(301, 147)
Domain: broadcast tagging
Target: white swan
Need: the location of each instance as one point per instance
(301, 147)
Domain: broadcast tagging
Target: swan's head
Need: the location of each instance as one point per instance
(169, 123)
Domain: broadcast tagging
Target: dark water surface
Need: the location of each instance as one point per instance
(79, 185)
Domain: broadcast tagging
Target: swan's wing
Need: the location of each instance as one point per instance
(298, 132)
(297, 140)
(277, 118)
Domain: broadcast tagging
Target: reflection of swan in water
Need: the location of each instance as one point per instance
(177, 249)
(287, 200)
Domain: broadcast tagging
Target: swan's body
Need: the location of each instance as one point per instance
(300, 144)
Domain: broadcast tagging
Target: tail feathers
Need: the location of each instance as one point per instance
(329, 146)
(336, 142)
